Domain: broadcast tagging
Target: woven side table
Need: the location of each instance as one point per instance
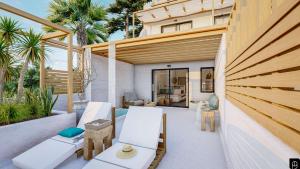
(97, 134)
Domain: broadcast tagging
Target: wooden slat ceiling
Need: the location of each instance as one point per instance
(195, 45)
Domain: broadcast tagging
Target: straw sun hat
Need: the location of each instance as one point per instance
(126, 152)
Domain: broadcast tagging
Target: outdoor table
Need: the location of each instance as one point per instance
(97, 133)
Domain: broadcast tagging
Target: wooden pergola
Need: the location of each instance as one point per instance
(49, 40)
(193, 45)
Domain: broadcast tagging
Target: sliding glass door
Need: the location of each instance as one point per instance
(170, 87)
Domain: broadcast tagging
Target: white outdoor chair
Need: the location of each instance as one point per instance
(141, 130)
(52, 152)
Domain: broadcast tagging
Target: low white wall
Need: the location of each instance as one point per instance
(62, 101)
(246, 143)
(143, 78)
(99, 86)
(19, 137)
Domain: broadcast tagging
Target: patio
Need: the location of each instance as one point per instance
(255, 62)
(187, 145)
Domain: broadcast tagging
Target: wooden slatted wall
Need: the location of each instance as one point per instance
(263, 64)
(59, 80)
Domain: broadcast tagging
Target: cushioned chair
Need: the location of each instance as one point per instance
(52, 152)
(141, 130)
(130, 99)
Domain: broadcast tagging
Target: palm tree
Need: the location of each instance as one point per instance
(30, 49)
(9, 33)
(3, 60)
(85, 18)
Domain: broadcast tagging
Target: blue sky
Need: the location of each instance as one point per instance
(57, 57)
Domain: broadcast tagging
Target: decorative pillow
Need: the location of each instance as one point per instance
(70, 132)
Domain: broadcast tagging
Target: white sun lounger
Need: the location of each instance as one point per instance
(141, 129)
(57, 149)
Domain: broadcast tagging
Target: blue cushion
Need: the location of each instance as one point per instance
(70, 132)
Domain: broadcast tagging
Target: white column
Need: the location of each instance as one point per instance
(112, 73)
(88, 66)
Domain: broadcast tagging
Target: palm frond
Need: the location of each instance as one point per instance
(9, 29)
(29, 46)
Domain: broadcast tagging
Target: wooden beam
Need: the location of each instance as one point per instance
(29, 16)
(166, 46)
(62, 45)
(167, 11)
(180, 55)
(190, 15)
(70, 73)
(56, 34)
(163, 5)
(214, 30)
(209, 39)
(183, 49)
(169, 39)
(168, 56)
(153, 16)
(166, 61)
(183, 8)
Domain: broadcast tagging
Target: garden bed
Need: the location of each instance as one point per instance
(15, 113)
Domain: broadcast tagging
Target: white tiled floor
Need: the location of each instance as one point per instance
(187, 146)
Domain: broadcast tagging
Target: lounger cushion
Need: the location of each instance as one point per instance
(94, 111)
(141, 127)
(45, 155)
(142, 160)
(95, 164)
(78, 144)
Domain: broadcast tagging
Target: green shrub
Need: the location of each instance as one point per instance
(32, 101)
(47, 101)
(31, 97)
(4, 119)
(37, 104)
(33, 108)
(12, 112)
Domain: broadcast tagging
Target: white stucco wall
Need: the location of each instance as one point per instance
(99, 86)
(198, 20)
(143, 78)
(19, 137)
(62, 101)
(246, 143)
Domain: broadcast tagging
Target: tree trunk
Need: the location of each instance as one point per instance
(21, 80)
(127, 27)
(2, 72)
(81, 35)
